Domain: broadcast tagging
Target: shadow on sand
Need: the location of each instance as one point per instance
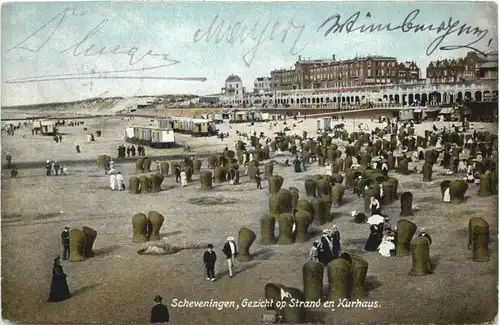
(434, 261)
(105, 250)
(263, 254)
(171, 233)
(239, 268)
(372, 283)
(84, 289)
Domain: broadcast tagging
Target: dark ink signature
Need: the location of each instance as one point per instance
(443, 30)
(257, 34)
(83, 48)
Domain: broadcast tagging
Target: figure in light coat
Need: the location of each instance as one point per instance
(374, 205)
(328, 170)
(230, 251)
(112, 182)
(446, 196)
(120, 182)
(183, 179)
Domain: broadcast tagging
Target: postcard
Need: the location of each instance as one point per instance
(249, 162)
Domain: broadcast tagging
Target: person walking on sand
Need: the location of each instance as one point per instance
(209, 258)
(314, 253)
(59, 289)
(120, 181)
(9, 159)
(48, 167)
(258, 180)
(159, 313)
(230, 252)
(65, 242)
(177, 174)
(56, 167)
(112, 181)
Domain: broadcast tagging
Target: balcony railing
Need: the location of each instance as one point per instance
(407, 86)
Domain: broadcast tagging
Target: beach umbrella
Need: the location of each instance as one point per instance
(375, 219)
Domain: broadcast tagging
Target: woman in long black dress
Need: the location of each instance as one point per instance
(374, 239)
(325, 249)
(335, 241)
(59, 290)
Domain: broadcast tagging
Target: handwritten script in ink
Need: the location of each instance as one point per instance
(335, 25)
(257, 34)
(84, 48)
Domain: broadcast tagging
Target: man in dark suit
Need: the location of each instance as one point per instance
(209, 259)
(159, 313)
(177, 174)
(65, 242)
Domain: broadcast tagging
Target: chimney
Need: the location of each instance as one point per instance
(333, 57)
(300, 57)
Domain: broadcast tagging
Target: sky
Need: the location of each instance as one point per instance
(49, 50)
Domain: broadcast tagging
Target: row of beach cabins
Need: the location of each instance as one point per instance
(163, 134)
(240, 116)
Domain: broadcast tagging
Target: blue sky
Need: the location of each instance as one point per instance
(160, 28)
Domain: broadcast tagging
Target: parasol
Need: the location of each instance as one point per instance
(375, 219)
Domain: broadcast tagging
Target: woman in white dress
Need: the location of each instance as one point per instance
(386, 246)
(112, 182)
(119, 182)
(183, 179)
(446, 196)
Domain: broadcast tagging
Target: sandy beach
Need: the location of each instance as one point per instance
(118, 284)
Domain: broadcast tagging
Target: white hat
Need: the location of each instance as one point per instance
(360, 177)
(354, 213)
(230, 238)
(48, 160)
(335, 228)
(326, 231)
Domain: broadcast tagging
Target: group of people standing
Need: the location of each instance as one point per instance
(210, 257)
(13, 170)
(381, 238)
(116, 181)
(131, 151)
(58, 138)
(53, 168)
(180, 175)
(327, 247)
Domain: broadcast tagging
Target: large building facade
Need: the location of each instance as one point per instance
(332, 73)
(421, 93)
(233, 92)
(233, 86)
(454, 70)
(368, 82)
(262, 85)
